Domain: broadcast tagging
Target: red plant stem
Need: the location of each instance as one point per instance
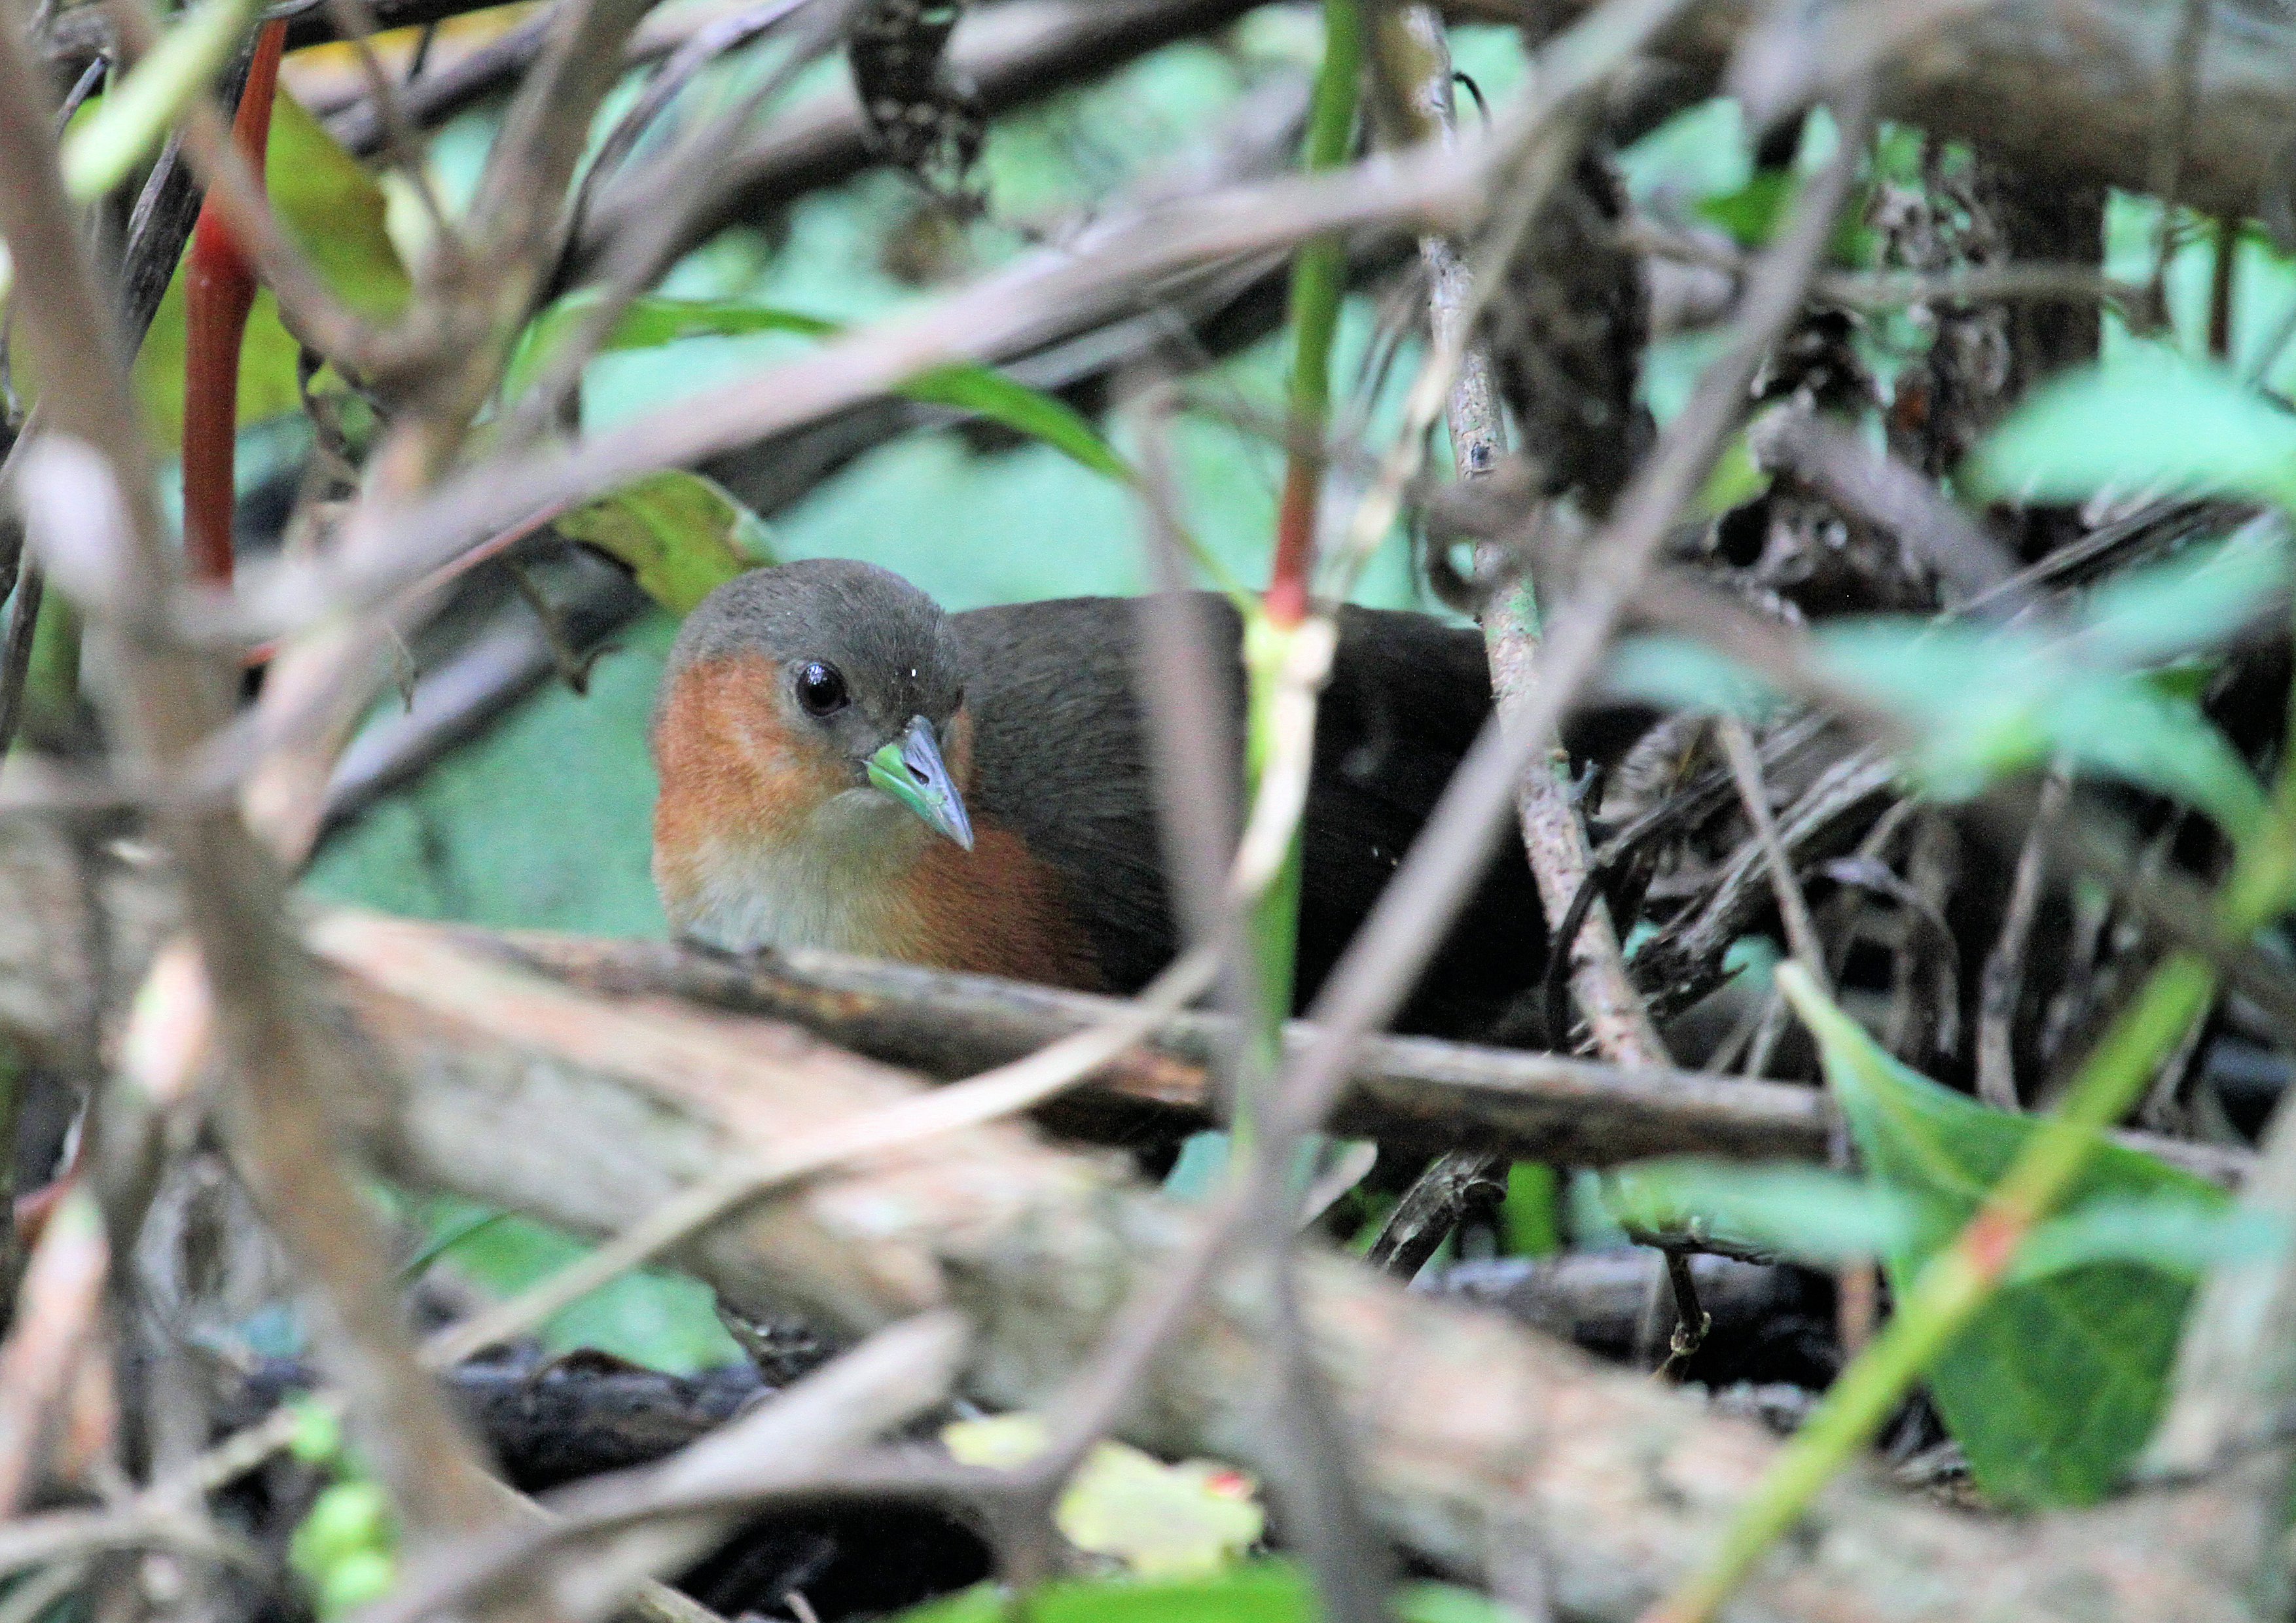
(219, 290)
(1287, 602)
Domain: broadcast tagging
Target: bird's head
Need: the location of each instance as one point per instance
(819, 703)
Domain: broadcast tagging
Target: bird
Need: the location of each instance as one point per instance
(844, 766)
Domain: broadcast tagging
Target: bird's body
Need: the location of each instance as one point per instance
(777, 826)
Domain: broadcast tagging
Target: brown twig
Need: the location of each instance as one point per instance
(1414, 1092)
(93, 480)
(1367, 985)
(1454, 1187)
(1753, 794)
(2004, 976)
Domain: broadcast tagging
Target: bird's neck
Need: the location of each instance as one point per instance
(835, 878)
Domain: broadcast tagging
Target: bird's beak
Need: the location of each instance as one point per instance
(910, 769)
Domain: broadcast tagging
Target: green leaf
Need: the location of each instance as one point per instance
(2193, 601)
(1526, 1215)
(680, 534)
(1024, 410)
(661, 1321)
(1734, 480)
(1160, 1521)
(1805, 1212)
(2149, 420)
(333, 210)
(1450, 1603)
(2170, 1234)
(2056, 1384)
(1680, 673)
(1987, 704)
(1753, 213)
(652, 322)
(1983, 704)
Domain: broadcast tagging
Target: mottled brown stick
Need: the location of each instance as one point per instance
(584, 1112)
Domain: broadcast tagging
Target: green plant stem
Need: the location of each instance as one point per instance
(1949, 1292)
(52, 682)
(1318, 282)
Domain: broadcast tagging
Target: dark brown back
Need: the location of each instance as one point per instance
(1051, 686)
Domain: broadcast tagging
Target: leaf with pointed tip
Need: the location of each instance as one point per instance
(982, 390)
(2055, 1385)
(334, 211)
(2149, 421)
(680, 534)
(1804, 1213)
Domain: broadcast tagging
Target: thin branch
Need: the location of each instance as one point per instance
(1369, 982)
(90, 480)
(1412, 1092)
(56, 1318)
(1454, 1186)
(2004, 976)
(1754, 795)
(1003, 1092)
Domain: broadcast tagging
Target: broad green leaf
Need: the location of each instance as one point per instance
(2172, 1233)
(1161, 1521)
(1260, 1592)
(680, 534)
(1804, 1213)
(652, 322)
(1983, 704)
(2055, 1386)
(334, 210)
(1991, 702)
(1256, 1592)
(2193, 601)
(2149, 420)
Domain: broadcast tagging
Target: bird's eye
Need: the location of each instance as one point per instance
(820, 688)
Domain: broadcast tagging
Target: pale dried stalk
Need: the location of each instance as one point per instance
(2004, 976)
(1553, 835)
(1754, 795)
(89, 486)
